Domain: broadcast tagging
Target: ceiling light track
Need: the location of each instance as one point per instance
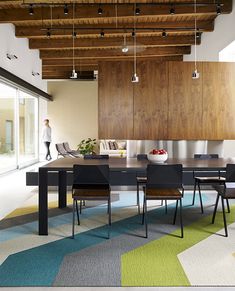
(169, 4)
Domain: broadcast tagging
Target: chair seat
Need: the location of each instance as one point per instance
(141, 179)
(163, 194)
(91, 193)
(215, 179)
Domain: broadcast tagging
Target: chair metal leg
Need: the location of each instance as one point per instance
(138, 197)
(80, 206)
(224, 217)
(73, 218)
(200, 196)
(228, 207)
(109, 217)
(176, 208)
(165, 206)
(194, 192)
(145, 217)
(161, 202)
(181, 220)
(84, 203)
(215, 209)
(77, 212)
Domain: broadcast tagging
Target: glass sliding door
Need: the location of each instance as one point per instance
(18, 128)
(8, 145)
(28, 129)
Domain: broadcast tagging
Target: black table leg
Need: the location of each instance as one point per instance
(43, 202)
(62, 189)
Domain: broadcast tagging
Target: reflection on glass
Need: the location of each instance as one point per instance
(27, 128)
(7, 128)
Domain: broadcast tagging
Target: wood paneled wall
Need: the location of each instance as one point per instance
(167, 103)
(185, 102)
(150, 101)
(115, 100)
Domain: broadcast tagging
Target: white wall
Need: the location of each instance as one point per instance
(28, 60)
(74, 112)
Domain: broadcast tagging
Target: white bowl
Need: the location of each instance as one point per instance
(157, 158)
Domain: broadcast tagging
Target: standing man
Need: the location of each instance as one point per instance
(46, 138)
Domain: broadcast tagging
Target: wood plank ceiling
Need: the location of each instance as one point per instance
(165, 29)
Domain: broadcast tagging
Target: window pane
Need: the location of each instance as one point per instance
(7, 128)
(28, 107)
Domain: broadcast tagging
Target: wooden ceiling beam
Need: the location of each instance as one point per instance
(68, 62)
(89, 12)
(115, 53)
(79, 66)
(111, 42)
(91, 30)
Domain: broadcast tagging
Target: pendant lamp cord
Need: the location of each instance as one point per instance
(195, 34)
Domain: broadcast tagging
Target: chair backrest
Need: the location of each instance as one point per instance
(96, 157)
(164, 176)
(90, 176)
(206, 156)
(141, 157)
(67, 147)
(60, 149)
(230, 173)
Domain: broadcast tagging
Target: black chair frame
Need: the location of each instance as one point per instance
(164, 182)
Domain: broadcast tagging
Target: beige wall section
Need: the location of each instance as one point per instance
(74, 112)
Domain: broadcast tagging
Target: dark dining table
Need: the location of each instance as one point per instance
(122, 165)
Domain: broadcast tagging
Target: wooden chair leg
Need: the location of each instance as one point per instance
(228, 207)
(194, 192)
(200, 196)
(181, 220)
(215, 209)
(77, 212)
(165, 206)
(73, 218)
(138, 197)
(176, 208)
(224, 217)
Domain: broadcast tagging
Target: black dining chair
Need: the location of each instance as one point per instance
(164, 182)
(226, 192)
(141, 179)
(200, 178)
(91, 182)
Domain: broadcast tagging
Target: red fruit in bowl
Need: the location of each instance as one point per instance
(154, 152)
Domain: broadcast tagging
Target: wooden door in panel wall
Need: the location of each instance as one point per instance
(115, 100)
(150, 101)
(185, 102)
(218, 101)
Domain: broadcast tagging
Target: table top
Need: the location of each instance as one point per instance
(133, 163)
